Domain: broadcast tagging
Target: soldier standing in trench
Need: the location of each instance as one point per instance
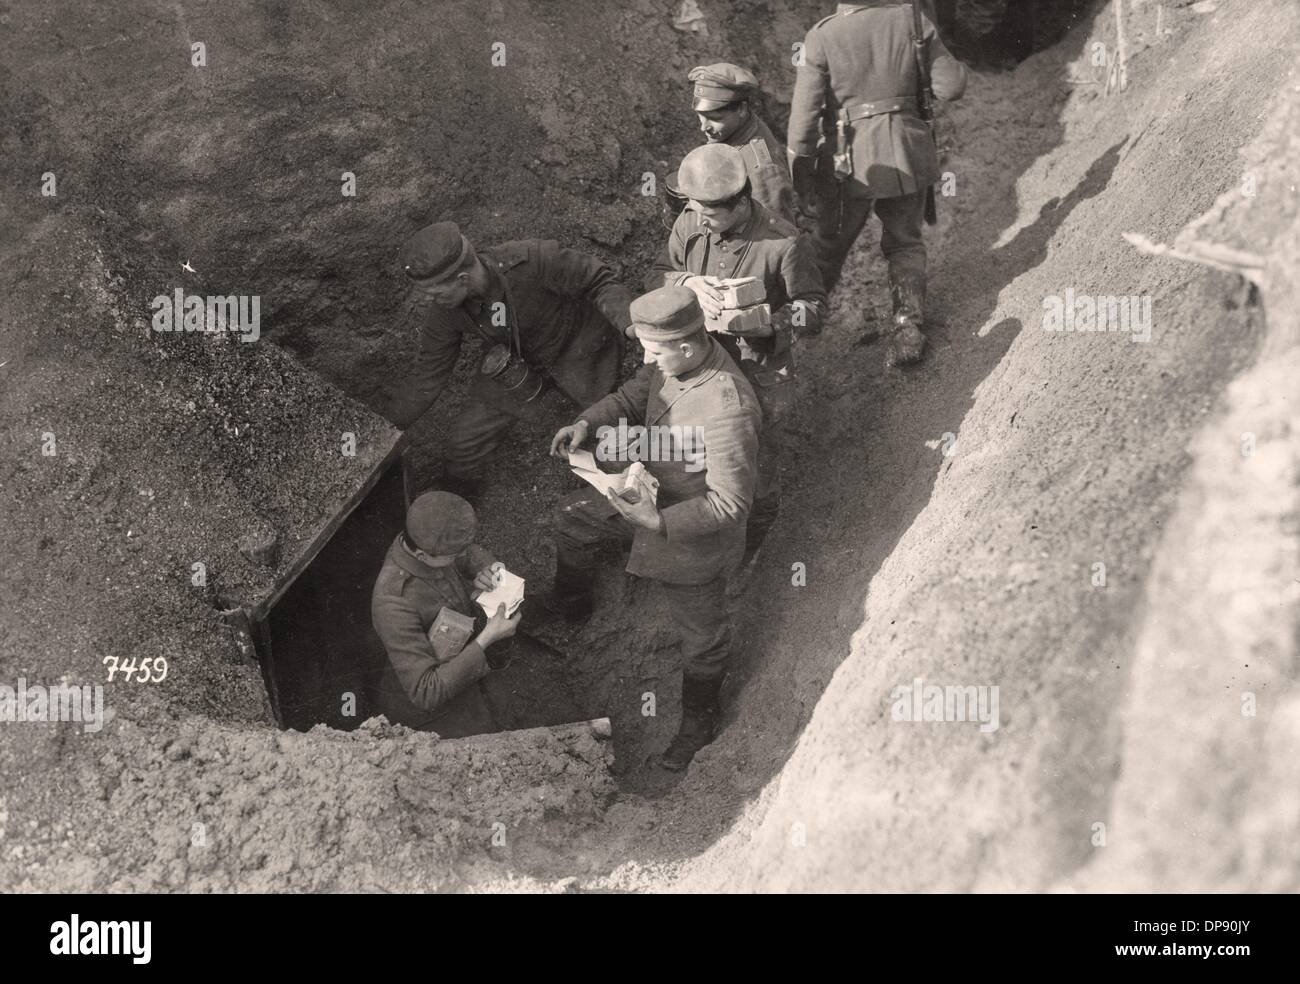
(547, 315)
(860, 76)
(721, 96)
(691, 539)
(725, 233)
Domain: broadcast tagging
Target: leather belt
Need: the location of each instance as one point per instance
(860, 111)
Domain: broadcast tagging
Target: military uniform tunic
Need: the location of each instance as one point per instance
(571, 314)
(771, 249)
(703, 510)
(862, 54)
(766, 164)
(417, 689)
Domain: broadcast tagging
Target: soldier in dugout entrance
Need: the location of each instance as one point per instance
(439, 641)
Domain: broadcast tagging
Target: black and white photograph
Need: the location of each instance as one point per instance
(748, 447)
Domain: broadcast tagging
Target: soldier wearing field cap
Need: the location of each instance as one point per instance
(546, 316)
(726, 234)
(721, 95)
(860, 75)
(691, 539)
(432, 565)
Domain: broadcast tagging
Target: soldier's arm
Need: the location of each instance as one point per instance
(947, 74)
(428, 683)
(439, 348)
(803, 285)
(669, 267)
(628, 402)
(575, 274)
(806, 104)
(731, 456)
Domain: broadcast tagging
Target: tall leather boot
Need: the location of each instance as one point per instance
(906, 341)
(699, 718)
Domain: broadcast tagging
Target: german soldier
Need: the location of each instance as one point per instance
(721, 96)
(690, 539)
(860, 77)
(726, 234)
(432, 565)
(545, 314)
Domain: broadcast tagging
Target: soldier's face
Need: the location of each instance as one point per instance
(672, 358)
(719, 219)
(448, 293)
(718, 125)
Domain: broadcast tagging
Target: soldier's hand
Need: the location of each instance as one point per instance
(568, 439)
(808, 205)
(499, 627)
(486, 579)
(643, 512)
(710, 297)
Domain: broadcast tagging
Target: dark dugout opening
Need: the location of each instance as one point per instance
(320, 656)
(322, 660)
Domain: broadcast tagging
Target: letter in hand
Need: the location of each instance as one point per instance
(643, 512)
(709, 297)
(568, 439)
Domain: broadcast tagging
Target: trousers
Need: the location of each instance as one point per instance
(842, 218)
(584, 521)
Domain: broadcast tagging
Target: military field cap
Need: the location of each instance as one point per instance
(666, 314)
(433, 251)
(441, 524)
(712, 173)
(719, 85)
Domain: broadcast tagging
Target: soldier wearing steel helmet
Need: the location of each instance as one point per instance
(725, 234)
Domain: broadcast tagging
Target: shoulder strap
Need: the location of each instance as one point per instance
(762, 156)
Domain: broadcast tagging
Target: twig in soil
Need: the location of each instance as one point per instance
(1248, 265)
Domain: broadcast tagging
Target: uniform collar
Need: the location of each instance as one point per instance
(746, 133)
(674, 387)
(744, 230)
(412, 564)
(474, 306)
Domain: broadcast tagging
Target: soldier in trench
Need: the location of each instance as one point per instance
(548, 316)
(860, 73)
(691, 538)
(431, 575)
(725, 233)
(722, 97)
